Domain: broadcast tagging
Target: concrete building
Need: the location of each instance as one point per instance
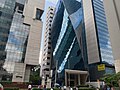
(46, 56)
(112, 10)
(20, 44)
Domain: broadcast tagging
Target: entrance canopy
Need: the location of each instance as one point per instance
(75, 77)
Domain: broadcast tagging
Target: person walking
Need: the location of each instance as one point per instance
(29, 87)
(44, 87)
(1, 87)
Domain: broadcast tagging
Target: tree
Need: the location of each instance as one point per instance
(112, 79)
(35, 77)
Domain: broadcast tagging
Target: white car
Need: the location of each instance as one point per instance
(1, 87)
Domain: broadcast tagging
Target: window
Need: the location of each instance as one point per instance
(47, 75)
(50, 29)
(49, 42)
(47, 69)
(48, 52)
(0, 13)
(48, 57)
(49, 33)
(48, 63)
(50, 38)
(38, 14)
(49, 47)
(19, 7)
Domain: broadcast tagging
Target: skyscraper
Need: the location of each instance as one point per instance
(112, 10)
(20, 29)
(67, 53)
(46, 56)
(80, 39)
(97, 37)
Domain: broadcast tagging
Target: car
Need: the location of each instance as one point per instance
(1, 87)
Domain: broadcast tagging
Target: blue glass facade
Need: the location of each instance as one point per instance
(66, 49)
(102, 31)
(103, 41)
(13, 38)
(69, 46)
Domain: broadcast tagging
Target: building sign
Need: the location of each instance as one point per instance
(101, 67)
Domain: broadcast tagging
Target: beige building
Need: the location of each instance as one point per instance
(91, 37)
(46, 56)
(32, 13)
(112, 9)
(99, 48)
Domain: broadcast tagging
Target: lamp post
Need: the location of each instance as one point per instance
(56, 72)
(43, 80)
(69, 68)
(69, 62)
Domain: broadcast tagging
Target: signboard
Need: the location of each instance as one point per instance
(101, 67)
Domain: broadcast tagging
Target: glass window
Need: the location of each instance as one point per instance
(38, 14)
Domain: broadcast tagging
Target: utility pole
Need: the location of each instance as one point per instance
(56, 71)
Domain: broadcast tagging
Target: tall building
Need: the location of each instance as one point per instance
(80, 39)
(20, 29)
(46, 57)
(112, 9)
(97, 37)
(67, 53)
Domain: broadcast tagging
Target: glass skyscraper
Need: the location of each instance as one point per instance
(67, 53)
(6, 15)
(14, 36)
(103, 41)
(102, 32)
(80, 38)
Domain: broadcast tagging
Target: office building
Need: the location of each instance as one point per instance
(67, 53)
(20, 29)
(112, 10)
(80, 39)
(97, 37)
(46, 56)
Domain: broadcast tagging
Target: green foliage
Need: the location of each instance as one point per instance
(5, 82)
(85, 88)
(36, 89)
(56, 89)
(35, 78)
(111, 79)
(14, 88)
(46, 89)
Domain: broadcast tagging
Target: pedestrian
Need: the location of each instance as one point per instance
(105, 87)
(44, 87)
(1, 87)
(29, 87)
(38, 86)
(64, 87)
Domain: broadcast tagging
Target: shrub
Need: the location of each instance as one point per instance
(36, 89)
(14, 88)
(82, 86)
(5, 82)
(85, 88)
(56, 89)
(48, 88)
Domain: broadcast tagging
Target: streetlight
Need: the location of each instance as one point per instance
(69, 68)
(43, 80)
(56, 72)
(69, 62)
